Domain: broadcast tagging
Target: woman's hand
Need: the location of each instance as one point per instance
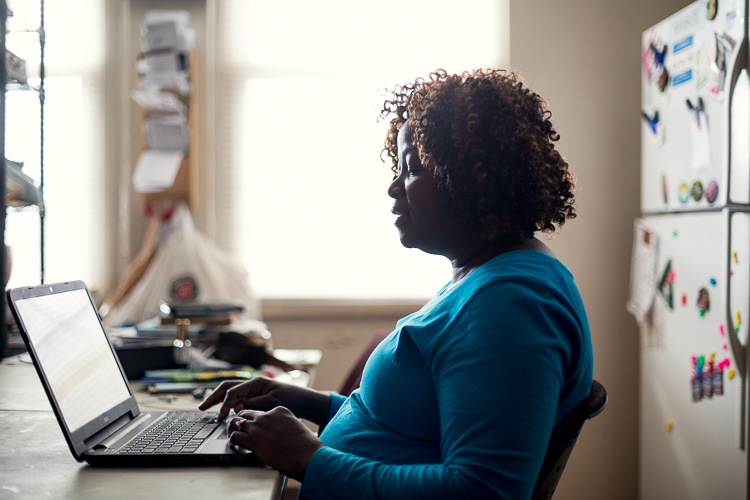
(264, 394)
(278, 438)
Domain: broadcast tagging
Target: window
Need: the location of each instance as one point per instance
(73, 169)
(301, 84)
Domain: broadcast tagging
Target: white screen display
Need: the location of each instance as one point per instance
(73, 350)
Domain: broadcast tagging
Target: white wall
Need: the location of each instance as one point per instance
(584, 57)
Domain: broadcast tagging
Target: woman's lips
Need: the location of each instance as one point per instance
(400, 215)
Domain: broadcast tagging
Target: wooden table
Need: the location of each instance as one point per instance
(35, 461)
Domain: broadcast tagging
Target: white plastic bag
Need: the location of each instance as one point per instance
(187, 268)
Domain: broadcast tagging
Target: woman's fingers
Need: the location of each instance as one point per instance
(277, 437)
(216, 396)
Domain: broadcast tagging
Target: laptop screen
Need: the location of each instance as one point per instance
(78, 362)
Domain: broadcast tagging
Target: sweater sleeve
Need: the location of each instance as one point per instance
(336, 401)
(498, 381)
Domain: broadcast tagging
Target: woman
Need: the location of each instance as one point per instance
(460, 399)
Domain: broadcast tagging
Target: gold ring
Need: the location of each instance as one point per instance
(240, 422)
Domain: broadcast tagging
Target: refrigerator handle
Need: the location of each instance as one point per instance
(740, 358)
(739, 351)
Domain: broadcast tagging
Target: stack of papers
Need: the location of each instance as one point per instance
(156, 170)
(164, 89)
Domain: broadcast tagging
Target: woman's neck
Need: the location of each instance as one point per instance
(467, 263)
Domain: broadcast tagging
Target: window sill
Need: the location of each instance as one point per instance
(274, 309)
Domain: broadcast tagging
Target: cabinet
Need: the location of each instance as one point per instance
(22, 41)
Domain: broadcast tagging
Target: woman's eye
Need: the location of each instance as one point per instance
(413, 166)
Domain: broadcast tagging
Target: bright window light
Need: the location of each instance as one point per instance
(73, 167)
(301, 84)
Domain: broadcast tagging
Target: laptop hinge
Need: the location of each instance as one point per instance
(108, 436)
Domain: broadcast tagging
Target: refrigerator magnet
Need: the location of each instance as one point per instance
(666, 288)
(655, 127)
(703, 302)
(712, 192)
(696, 380)
(711, 9)
(659, 54)
(696, 388)
(683, 195)
(717, 382)
(653, 59)
(707, 383)
(697, 111)
(722, 45)
(720, 55)
(724, 364)
(651, 121)
(653, 56)
(663, 82)
(697, 191)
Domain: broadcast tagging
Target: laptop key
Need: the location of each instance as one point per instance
(204, 433)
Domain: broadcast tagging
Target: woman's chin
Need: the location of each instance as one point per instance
(406, 240)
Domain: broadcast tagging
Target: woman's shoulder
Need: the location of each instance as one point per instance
(522, 266)
(524, 279)
(528, 281)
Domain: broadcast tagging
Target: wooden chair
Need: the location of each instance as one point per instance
(564, 437)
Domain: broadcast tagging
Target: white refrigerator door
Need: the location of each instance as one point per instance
(692, 148)
(691, 449)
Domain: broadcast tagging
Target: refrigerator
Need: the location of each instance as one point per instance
(690, 276)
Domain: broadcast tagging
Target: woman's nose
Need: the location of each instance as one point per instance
(396, 189)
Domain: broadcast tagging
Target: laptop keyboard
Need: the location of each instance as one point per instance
(177, 432)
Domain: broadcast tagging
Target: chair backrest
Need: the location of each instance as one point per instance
(564, 437)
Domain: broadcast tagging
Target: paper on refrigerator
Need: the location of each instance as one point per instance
(643, 271)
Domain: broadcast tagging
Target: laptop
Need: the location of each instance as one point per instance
(90, 395)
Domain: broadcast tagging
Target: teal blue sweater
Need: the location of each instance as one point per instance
(460, 399)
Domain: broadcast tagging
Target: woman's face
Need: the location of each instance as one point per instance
(421, 217)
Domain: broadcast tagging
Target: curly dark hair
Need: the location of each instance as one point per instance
(489, 141)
